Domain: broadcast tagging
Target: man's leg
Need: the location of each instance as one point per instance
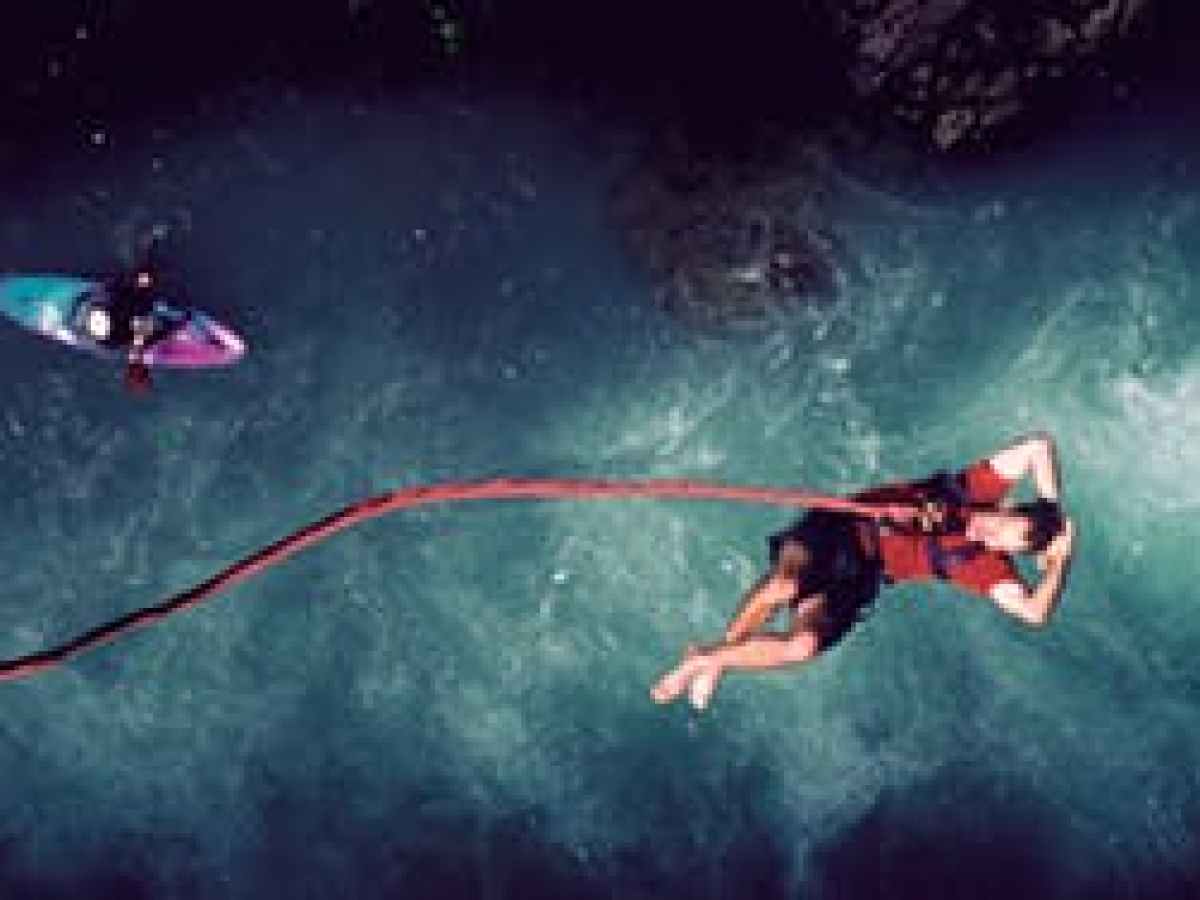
(789, 557)
(700, 670)
(773, 590)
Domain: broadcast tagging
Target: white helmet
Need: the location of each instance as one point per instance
(98, 323)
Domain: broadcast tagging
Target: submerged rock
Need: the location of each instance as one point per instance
(730, 243)
(733, 237)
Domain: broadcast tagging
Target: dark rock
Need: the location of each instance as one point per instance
(735, 235)
(962, 71)
(730, 243)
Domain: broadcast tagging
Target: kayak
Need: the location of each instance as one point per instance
(56, 307)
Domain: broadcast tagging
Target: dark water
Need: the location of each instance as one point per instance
(453, 702)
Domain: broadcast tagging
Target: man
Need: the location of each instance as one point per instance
(123, 319)
(829, 566)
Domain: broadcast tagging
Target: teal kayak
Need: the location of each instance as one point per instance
(60, 307)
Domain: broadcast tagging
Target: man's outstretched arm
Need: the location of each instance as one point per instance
(1036, 456)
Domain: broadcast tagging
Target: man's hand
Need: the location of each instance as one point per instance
(1064, 542)
(1060, 548)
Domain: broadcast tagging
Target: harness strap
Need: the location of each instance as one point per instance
(941, 560)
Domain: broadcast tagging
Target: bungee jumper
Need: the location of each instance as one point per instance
(899, 512)
(828, 568)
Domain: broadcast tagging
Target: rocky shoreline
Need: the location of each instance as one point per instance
(734, 239)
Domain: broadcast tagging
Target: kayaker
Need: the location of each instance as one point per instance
(123, 318)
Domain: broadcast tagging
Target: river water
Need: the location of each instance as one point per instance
(453, 701)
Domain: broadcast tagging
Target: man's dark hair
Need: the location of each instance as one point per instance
(1045, 521)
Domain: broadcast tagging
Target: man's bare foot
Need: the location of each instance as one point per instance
(701, 689)
(675, 682)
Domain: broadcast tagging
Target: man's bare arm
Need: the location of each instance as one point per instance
(1036, 456)
(1035, 608)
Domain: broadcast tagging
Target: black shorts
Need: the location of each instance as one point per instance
(845, 571)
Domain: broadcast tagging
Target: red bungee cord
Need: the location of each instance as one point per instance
(448, 492)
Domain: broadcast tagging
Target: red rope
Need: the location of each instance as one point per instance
(450, 492)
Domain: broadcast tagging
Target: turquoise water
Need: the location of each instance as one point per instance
(453, 701)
